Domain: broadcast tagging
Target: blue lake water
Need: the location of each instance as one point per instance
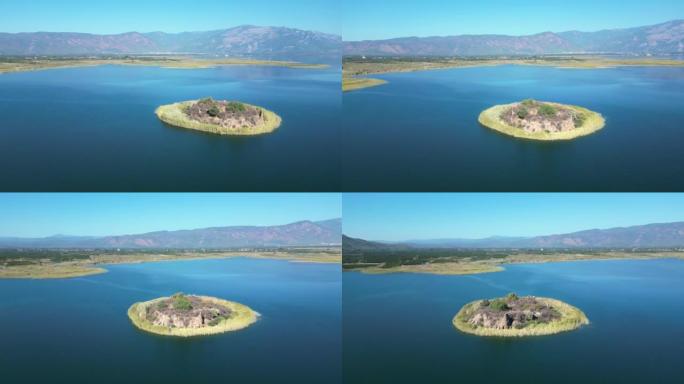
(420, 132)
(397, 328)
(77, 330)
(94, 129)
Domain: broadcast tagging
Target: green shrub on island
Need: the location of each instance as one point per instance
(235, 107)
(547, 110)
(498, 305)
(181, 303)
(213, 111)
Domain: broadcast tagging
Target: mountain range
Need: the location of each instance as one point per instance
(301, 233)
(242, 41)
(663, 235)
(660, 39)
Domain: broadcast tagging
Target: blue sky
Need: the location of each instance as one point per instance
(381, 19)
(34, 215)
(117, 16)
(430, 216)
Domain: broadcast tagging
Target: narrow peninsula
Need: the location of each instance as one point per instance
(220, 117)
(350, 83)
(539, 120)
(514, 316)
(189, 315)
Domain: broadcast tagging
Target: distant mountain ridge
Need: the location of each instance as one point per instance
(301, 233)
(659, 39)
(242, 41)
(660, 235)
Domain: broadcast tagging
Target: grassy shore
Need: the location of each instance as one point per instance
(97, 261)
(355, 83)
(363, 67)
(174, 114)
(50, 271)
(9, 64)
(571, 318)
(491, 118)
(466, 266)
(355, 70)
(241, 317)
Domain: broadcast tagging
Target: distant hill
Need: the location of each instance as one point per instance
(660, 39)
(665, 235)
(243, 41)
(350, 244)
(301, 233)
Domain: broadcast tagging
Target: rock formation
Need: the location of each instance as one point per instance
(185, 311)
(534, 116)
(227, 114)
(512, 312)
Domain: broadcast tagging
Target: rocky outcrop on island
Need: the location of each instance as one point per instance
(220, 117)
(227, 114)
(184, 311)
(190, 315)
(539, 120)
(518, 316)
(534, 116)
(512, 312)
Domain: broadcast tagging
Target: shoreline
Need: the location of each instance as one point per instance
(97, 263)
(164, 62)
(358, 68)
(354, 72)
(458, 268)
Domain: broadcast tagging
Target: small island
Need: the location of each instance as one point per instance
(219, 117)
(538, 120)
(189, 315)
(514, 316)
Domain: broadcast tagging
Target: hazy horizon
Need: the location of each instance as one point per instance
(116, 17)
(29, 215)
(378, 20)
(415, 217)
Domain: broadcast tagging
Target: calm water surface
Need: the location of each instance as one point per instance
(77, 330)
(94, 129)
(420, 132)
(397, 328)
